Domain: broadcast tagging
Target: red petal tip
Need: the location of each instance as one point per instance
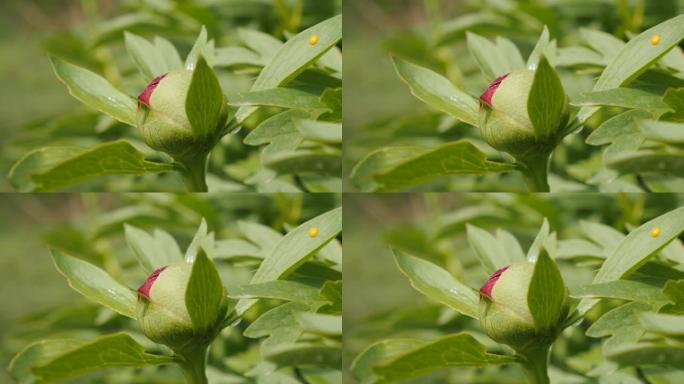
(144, 289)
(489, 93)
(147, 93)
(489, 285)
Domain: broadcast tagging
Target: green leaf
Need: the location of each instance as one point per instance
(277, 290)
(379, 353)
(117, 350)
(546, 101)
(305, 354)
(37, 161)
(235, 248)
(204, 293)
(546, 294)
(539, 241)
(115, 158)
(168, 53)
(449, 351)
(674, 98)
(321, 163)
(636, 57)
(377, 161)
(637, 248)
(542, 48)
(492, 60)
(320, 324)
(204, 101)
(280, 97)
(152, 251)
(37, 354)
(662, 131)
(621, 324)
(491, 253)
(460, 157)
(295, 248)
(602, 42)
(649, 354)
(332, 292)
(648, 162)
(279, 324)
(295, 56)
(662, 324)
(96, 284)
(438, 92)
(319, 131)
(674, 290)
(262, 43)
(198, 49)
(622, 97)
(622, 290)
(146, 56)
(438, 284)
(196, 243)
(95, 91)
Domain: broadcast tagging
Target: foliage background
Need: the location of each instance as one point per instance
(380, 111)
(432, 226)
(36, 300)
(38, 111)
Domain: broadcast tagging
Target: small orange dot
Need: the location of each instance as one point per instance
(655, 40)
(313, 40)
(313, 232)
(655, 232)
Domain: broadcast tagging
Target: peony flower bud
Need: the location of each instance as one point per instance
(504, 119)
(162, 313)
(504, 311)
(163, 121)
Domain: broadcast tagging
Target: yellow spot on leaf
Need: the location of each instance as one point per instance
(655, 40)
(313, 40)
(655, 232)
(313, 232)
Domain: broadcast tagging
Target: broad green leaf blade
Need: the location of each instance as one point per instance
(546, 101)
(262, 43)
(117, 350)
(294, 248)
(379, 160)
(379, 353)
(489, 251)
(438, 92)
(319, 131)
(540, 49)
(636, 57)
(95, 91)
(204, 293)
(648, 162)
(624, 98)
(662, 324)
(279, 324)
(116, 158)
(451, 351)
(332, 292)
(204, 101)
(321, 163)
(277, 290)
(236, 248)
(514, 252)
(538, 243)
(649, 354)
(169, 54)
(197, 50)
(196, 242)
(320, 324)
(294, 57)
(96, 284)
(37, 161)
(438, 284)
(145, 55)
(37, 354)
(635, 250)
(662, 131)
(546, 293)
(152, 251)
(289, 98)
(492, 61)
(621, 324)
(674, 290)
(460, 157)
(621, 290)
(293, 355)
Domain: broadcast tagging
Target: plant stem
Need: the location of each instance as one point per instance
(535, 361)
(194, 172)
(536, 171)
(194, 363)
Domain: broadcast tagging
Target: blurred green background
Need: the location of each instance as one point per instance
(380, 111)
(36, 300)
(379, 301)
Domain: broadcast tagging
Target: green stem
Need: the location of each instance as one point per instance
(194, 364)
(536, 171)
(536, 361)
(194, 172)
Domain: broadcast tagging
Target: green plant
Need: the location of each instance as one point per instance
(615, 323)
(632, 105)
(237, 88)
(198, 309)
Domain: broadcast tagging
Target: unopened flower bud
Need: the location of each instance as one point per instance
(504, 310)
(162, 313)
(163, 121)
(504, 119)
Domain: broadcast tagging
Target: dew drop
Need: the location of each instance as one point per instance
(655, 40)
(313, 232)
(655, 232)
(313, 40)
